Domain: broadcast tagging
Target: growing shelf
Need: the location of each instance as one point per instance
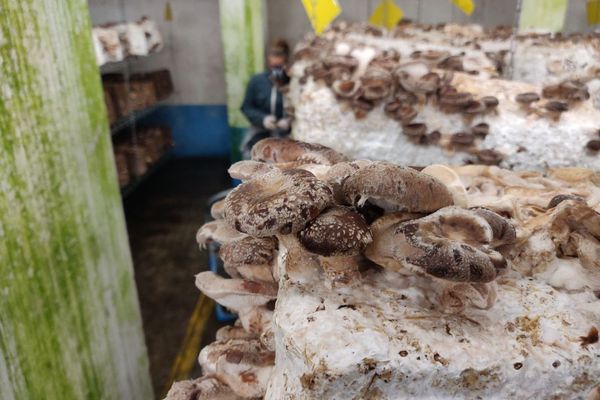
(136, 182)
(132, 118)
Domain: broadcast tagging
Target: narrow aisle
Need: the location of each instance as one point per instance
(162, 219)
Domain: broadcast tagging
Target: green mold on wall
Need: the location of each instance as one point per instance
(70, 326)
(543, 15)
(242, 32)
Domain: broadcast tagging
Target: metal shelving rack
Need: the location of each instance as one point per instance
(135, 183)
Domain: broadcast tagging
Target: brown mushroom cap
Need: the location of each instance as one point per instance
(338, 231)
(593, 145)
(556, 200)
(276, 150)
(475, 107)
(458, 99)
(415, 130)
(278, 202)
(482, 129)
(503, 230)
(346, 88)
(250, 258)
(396, 188)
(490, 101)
(556, 106)
(527, 98)
(249, 250)
(401, 112)
(376, 83)
(462, 138)
(450, 244)
(434, 136)
(489, 157)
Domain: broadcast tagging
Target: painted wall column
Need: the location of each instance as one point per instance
(70, 326)
(242, 32)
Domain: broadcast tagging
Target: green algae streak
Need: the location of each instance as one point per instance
(70, 326)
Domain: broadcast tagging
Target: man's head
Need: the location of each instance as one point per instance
(278, 54)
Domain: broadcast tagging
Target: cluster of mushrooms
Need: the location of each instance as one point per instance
(405, 87)
(404, 84)
(304, 206)
(304, 209)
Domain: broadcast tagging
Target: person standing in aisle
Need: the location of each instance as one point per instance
(263, 103)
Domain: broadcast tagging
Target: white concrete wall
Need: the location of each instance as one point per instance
(194, 52)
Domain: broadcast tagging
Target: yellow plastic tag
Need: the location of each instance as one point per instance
(466, 6)
(543, 15)
(386, 14)
(168, 12)
(321, 13)
(593, 12)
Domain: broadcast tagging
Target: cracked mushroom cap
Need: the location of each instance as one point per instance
(276, 150)
(395, 188)
(235, 294)
(279, 202)
(204, 388)
(452, 244)
(248, 169)
(250, 258)
(338, 231)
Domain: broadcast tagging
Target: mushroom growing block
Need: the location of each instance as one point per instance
(458, 109)
(531, 333)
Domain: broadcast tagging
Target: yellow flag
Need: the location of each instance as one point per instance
(321, 13)
(593, 12)
(466, 6)
(168, 12)
(386, 14)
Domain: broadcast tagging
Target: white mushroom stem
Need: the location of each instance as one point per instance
(380, 249)
(218, 231)
(294, 263)
(233, 332)
(254, 272)
(455, 297)
(341, 270)
(236, 294)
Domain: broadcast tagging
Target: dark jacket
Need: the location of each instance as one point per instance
(257, 102)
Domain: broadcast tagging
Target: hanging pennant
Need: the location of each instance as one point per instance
(168, 12)
(466, 6)
(387, 14)
(321, 13)
(593, 12)
(543, 15)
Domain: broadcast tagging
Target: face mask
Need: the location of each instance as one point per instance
(279, 76)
